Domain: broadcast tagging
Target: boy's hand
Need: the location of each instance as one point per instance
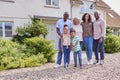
(62, 51)
(72, 48)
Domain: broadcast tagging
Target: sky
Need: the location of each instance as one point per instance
(114, 4)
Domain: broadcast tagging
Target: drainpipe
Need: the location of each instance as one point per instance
(71, 6)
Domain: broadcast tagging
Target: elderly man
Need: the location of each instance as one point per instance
(59, 28)
(99, 36)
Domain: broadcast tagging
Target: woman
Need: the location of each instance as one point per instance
(88, 35)
(78, 28)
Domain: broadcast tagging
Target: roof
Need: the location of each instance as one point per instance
(112, 19)
(101, 3)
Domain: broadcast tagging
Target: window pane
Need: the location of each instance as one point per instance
(1, 32)
(55, 2)
(87, 7)
(48, 2)
(8, 29)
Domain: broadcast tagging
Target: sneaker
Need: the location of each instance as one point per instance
(66, 65)
(101, 62)
(90, 62)
(56, 66)
(75, 65)
(96, 62)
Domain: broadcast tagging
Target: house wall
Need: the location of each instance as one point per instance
(20, 11)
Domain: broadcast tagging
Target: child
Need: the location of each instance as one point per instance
(76, 48)
(66, 46)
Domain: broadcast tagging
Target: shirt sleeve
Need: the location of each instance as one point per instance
(57, 24)
(71, 25)
(103, 29)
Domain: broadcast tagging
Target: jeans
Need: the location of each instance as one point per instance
(81, 42)
(101, 47)
(66, 54)
(88, 41)
(59, 56)
(78, 53)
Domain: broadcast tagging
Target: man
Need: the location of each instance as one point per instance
(59, 28)
(99, 36)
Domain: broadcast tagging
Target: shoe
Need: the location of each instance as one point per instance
(75, 65)
(96, 62)
(90, 62)
(56, 66)
(101, 62)
(66, 65)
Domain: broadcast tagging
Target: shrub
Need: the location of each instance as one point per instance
(112, 44)
(13, 55)
(37, 28)
(41, 45)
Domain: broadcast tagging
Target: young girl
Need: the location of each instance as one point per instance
(66, 46)
(76, 48)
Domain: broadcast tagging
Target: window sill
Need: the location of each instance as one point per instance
(51, 6)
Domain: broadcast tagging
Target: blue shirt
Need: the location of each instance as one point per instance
(60, 24)
(74, 40)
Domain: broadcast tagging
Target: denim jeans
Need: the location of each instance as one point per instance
(88, 41)
(66, 54)
(101, 48)
(81, 42)
(59, 56)
(79, 55)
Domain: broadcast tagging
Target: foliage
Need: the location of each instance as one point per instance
(37, 28)
(108, 30)
(41, 45)
(112, 44)
(13, 55)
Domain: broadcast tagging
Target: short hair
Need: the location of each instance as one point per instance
(97, 12)
(89, 20)
(72, 30)
(65, 25)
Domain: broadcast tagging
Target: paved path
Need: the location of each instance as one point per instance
(109, 71)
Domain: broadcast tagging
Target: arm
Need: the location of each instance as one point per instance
(62, 40)
(58, 32)
(103, 29)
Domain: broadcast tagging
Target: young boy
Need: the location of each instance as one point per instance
(66, 46)
(76, 48)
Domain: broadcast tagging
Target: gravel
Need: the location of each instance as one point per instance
(109, 71)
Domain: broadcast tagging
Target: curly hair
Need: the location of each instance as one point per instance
(83, 17)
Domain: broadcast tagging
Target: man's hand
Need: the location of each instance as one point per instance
(100, 40)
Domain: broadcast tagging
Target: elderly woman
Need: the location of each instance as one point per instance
(78, 28)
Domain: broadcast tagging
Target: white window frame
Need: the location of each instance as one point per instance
(3, 28)
(51, 4)
(85, 7)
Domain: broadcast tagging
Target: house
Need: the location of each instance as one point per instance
(15, 13)
(113, 21)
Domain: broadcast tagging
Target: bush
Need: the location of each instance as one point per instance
(112, 44)
(13, 55)
(37, 28)
(41, 45)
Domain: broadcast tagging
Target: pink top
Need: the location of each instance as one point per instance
(99, 29)
(79, 31)
(66, 40)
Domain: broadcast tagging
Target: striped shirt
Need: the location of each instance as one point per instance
(74, 40)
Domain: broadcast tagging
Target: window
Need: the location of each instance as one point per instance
(6, 29)
(52, 2)
(87, 7)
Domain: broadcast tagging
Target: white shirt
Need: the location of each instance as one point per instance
(79, 31)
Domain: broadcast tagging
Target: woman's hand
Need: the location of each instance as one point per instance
(100, 40)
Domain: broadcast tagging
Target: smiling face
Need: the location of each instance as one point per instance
(76, 21)
(65, 29)
(96, 14)
(65, 16)
(86, 17)
(72, 34)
